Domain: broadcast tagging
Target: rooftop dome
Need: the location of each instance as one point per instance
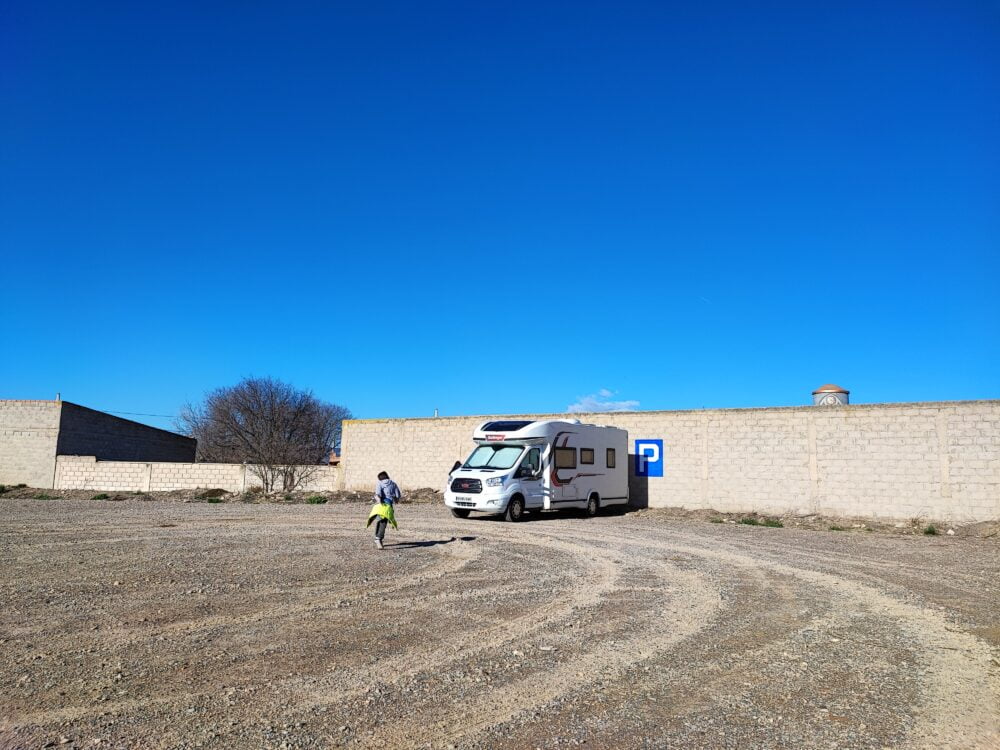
(830, 388)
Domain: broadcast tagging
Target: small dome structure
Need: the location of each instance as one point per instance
(831, 395)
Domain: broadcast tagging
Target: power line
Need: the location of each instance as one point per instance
(140, 414)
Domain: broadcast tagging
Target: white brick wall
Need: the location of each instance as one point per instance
(87, 473)
(28, 434)
(898, 461)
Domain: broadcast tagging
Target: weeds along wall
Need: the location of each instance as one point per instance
(87, 473)
(897, 461)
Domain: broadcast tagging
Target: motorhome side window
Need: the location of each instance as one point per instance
(531, 463)
(586, 455)
(611, 458)
(565, 458)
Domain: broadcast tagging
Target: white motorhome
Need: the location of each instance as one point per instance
(521, 465)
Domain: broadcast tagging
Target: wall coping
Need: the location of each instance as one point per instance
(723, 410)
(94, 459)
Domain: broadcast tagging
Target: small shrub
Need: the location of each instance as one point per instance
(836, 528)
(20, 486)
(102, 496)
(3, 489)
(213, 499)
(212, 493)
(773, 523)
(929, 530)
(316, 500)
(750, 521)
(715, 520)
(43, 496)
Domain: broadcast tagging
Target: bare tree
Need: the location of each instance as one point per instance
(284, 433)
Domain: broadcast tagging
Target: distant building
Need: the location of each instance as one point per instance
(33, 433)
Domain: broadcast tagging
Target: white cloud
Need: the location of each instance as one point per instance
(601, 401)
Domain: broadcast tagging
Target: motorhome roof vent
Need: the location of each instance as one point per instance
(509, 426)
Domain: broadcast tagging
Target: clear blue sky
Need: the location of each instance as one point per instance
(499, 209)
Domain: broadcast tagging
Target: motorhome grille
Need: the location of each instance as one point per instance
(465, 505)
(464, 484)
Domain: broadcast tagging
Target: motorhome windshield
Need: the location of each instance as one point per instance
(494, 457)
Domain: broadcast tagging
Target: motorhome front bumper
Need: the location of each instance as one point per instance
(485, 502)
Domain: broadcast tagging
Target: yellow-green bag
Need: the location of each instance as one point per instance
(382, 510)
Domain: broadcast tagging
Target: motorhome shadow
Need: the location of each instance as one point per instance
(521, 466)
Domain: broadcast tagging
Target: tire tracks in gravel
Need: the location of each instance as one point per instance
(119, 639)
(362, 678)
(961, 691)
(833, 559)
(694, 605)
(692, 687)
(310, 694)
(122, 637)
(464, 645)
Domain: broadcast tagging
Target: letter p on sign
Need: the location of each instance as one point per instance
(649, 458)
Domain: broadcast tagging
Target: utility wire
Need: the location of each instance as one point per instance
(140, 414)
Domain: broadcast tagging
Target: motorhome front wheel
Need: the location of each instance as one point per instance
(515, 509)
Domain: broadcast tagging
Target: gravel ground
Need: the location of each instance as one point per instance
(167, 624)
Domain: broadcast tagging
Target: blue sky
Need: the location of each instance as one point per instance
(503, 208)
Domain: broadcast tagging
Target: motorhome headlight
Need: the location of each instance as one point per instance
(496, 481)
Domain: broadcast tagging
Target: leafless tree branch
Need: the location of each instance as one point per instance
(283, 432)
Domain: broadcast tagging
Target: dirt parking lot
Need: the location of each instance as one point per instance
(165, 624)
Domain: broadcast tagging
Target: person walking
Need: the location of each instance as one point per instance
(386, 495)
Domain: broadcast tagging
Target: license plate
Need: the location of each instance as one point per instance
(460, 499)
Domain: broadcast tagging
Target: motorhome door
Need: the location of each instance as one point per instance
(530, 475)
(564, 458)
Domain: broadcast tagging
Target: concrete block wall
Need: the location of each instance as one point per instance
(87, 432)
(755, 459)
(28, 434)
(87, 473)
(896, 461)
(418, 452)
(186, 476)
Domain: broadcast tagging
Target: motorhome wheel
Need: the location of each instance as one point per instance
(592, 505)
(460, 512)
(515, 509)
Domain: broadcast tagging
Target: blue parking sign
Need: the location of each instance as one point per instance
(649, 458)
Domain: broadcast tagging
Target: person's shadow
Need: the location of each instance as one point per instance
(430, 543)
